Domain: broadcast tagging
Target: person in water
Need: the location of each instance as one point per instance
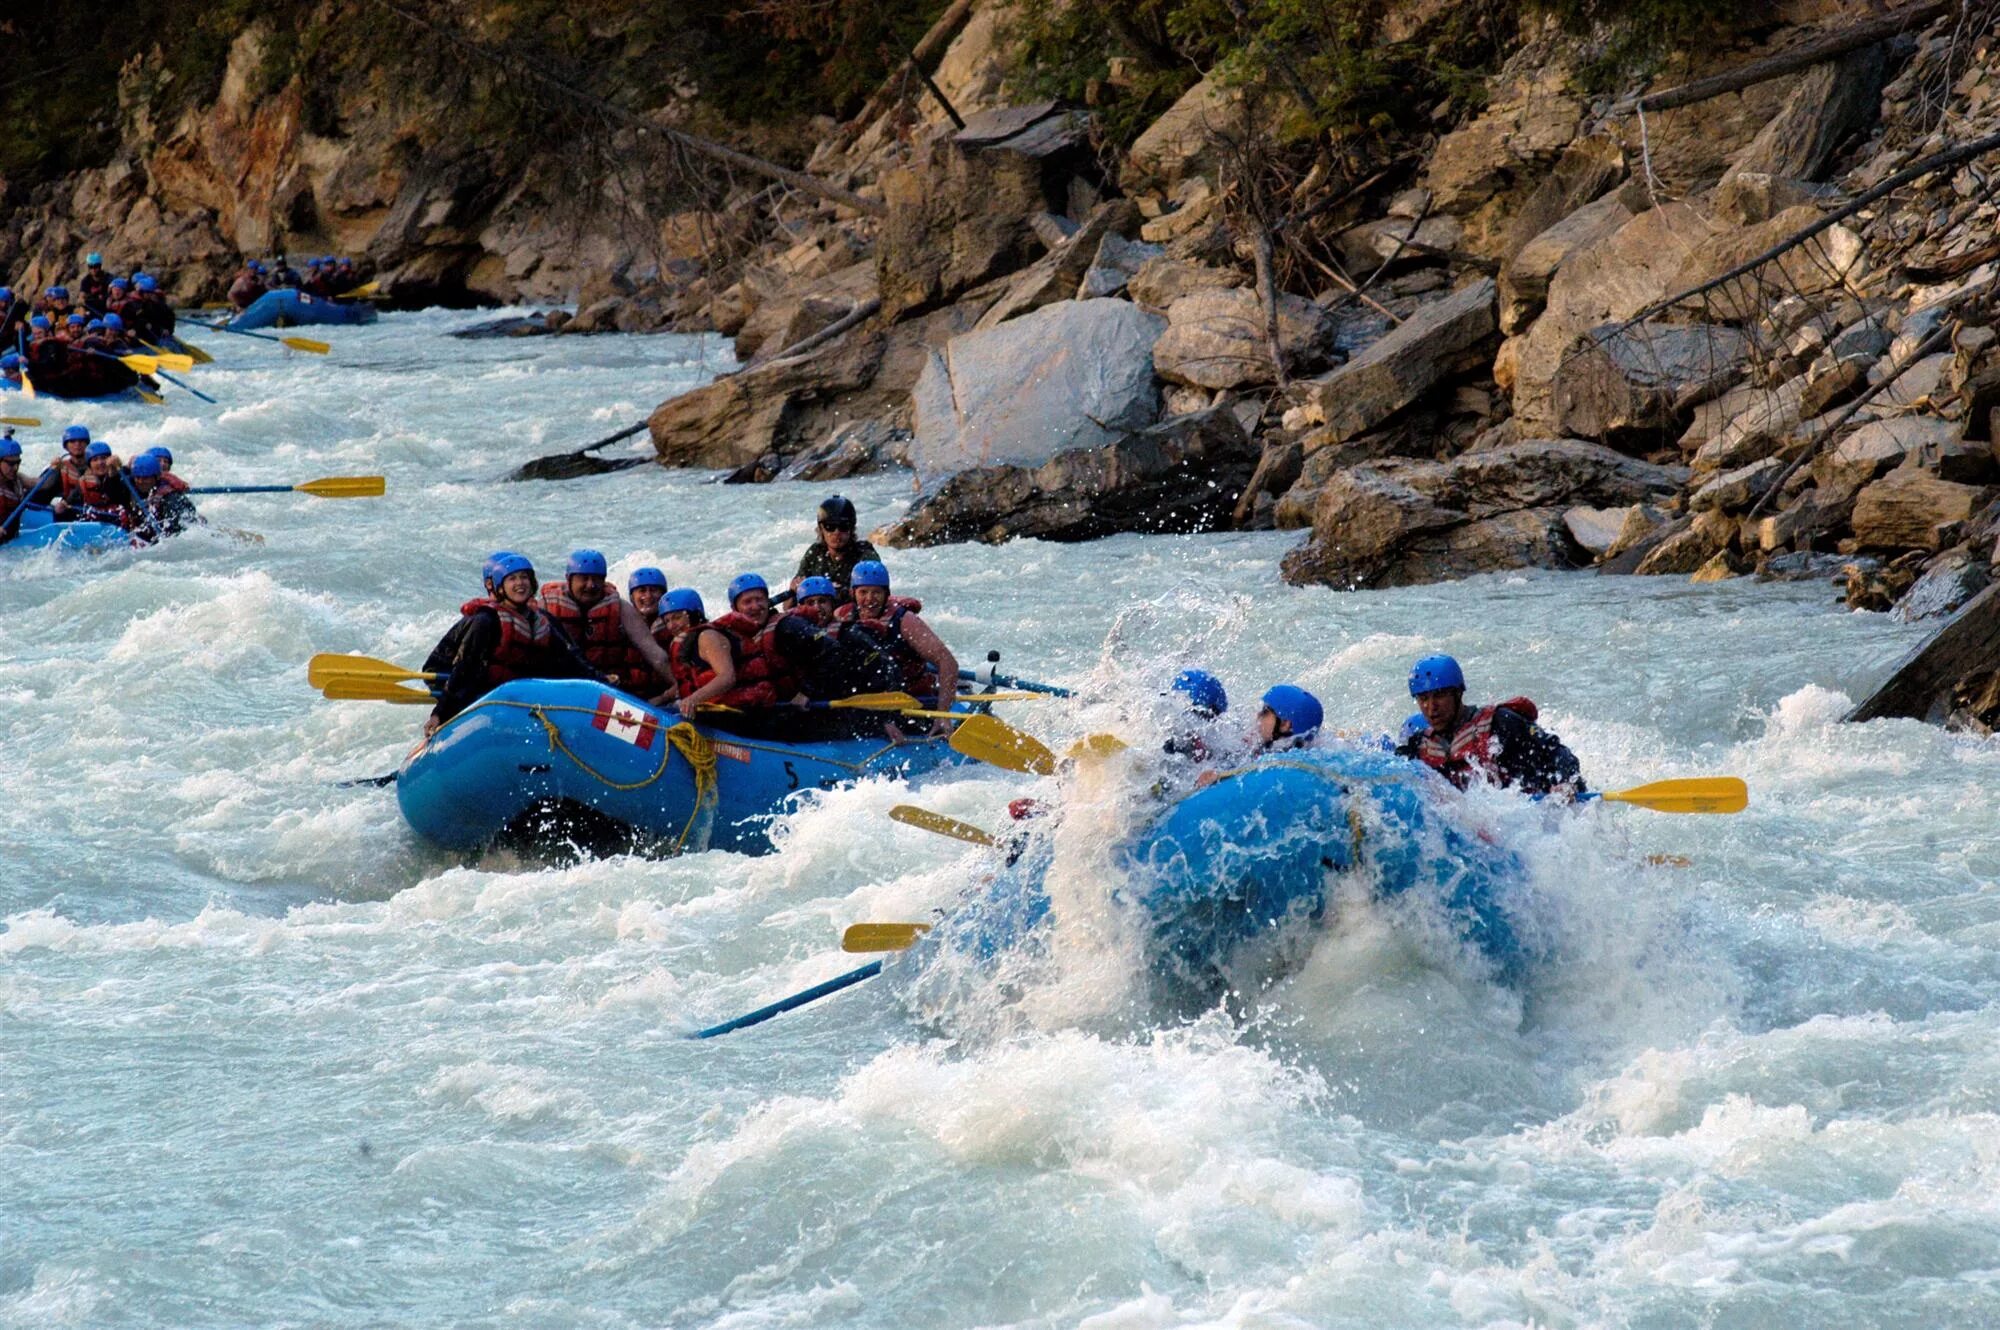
(895, 625)
(838, 550)
(1500, 744)
(502, 636)
(613, 636)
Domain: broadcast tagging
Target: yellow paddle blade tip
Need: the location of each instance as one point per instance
(1097, 745)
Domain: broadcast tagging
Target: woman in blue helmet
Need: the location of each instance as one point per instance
(501, 636)
(1500, 744)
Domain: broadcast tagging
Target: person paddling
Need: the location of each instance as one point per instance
(1288, 718)
(1500, 744)
(837, 551)
(705, 659)
(13, 490)
(94, 287)
(897, 627)
(612, 635)
(1206, 701)
(502, 636)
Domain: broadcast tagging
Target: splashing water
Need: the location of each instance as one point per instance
(268, 1060)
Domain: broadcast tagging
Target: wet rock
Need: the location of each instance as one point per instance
(1912, 509)
(1185, 474)
(1683, 551)
(1875, 587)
(1802, 566)
(857, 448)
(1949, 580)
(1216, 339)
(528, 325)
(741, 418)
(1073, 375)
(1594, 529)
(1431, 344)
(1399, 522)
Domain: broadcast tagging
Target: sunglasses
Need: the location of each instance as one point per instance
(836, 526)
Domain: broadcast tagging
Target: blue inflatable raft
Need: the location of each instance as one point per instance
(132, 392)
(568, 761)
(296, 309)
(1230, 866)
(38, 529)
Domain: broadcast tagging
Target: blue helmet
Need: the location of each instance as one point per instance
(1413, 727)
(503, 564)
(75, 432)
(91, 326)
(146, 466)
(40, 323)
(746, 582)
(114, 322)
(1296, 707)
(871, 572)
(6, 297)
(644, 577)
(77, 318)
(817, 586)
(94, 260)
(10, 449)
(1204, 692)
(256, 266)
(145, 282)
(10, 360)
(120, 284)
(1435, 672)
(684, 599)
(587, 563)
(59, 293)
(97, 450)
(161, 451)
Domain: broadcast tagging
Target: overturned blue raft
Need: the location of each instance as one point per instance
(565, 760)
(296, 309)
(1228, 867)
(37, 529)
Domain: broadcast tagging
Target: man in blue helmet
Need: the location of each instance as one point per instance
(248, 286)
(155, 321)
(1206, 700)
(501, 636)
(1500, 744)
(94, 287)
(1288, 717)
(613, 636)
(13, 490)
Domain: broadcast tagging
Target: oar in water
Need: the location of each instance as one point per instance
(783, 1005)
(912, 816)
(332, 487)
(993, 741)
(355, 688)
(881, 937)
(1696, 794)
(187, 387)
(296, 343)
(328, 664)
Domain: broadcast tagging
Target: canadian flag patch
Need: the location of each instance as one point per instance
(622, 720)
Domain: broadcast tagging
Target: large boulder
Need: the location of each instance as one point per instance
(1399, 522)
(1185, 474)
(1433, 343)
(1078, 374)
(740, 418)
(1644, 378)
(1524, 278)
(1217, 338)
(1912, 509)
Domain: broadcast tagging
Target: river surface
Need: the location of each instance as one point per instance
(267, 1060)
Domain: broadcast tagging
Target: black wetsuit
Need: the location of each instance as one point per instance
(1521, 754)
(819, 561)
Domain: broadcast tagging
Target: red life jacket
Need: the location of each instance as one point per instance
(105, 493)
(599, 632)
(889, 630)
(691, 672)
(525, 635)
(1471, 746)
(756, 660)
(172, 483)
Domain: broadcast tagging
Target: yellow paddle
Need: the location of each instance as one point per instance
(365, 291)
(26, 422)
(327, 665)
(991, 740)
(194, 355)
(332, 487)
(351, 688)
(150, 398)
(1097, 745)
(307, 344)
(138, 364)
(912, 816)
(1696, 794)
(27, 385)
(881, 937)
(159, 360)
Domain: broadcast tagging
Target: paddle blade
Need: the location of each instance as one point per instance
(140, 364)
(877, 702)
(995, 742)
(365, 291)
(345, 487)
(307, 344)
(881, 937)
(327, 665)
(26, 422)
(350, 688)
(151, 398)
(27, 386)
(912, 816)
(1698, 794)
(1098, 745)
(200, 356)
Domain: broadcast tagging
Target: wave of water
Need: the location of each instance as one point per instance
(265, 1059)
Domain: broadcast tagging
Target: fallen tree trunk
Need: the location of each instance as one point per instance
(1920, 688)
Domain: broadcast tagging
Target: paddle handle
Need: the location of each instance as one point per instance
(1011, 681)
(242, 489)
(783, 1005)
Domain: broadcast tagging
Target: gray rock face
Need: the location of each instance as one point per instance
(1391, 373)
(1644, 377)
(1401, 522)
(1185, 474)
(1216, 338)
(1077, 374)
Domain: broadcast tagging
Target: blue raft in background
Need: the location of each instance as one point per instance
(1229, 866)
(296, 309)
(38, 529)
(570, 760)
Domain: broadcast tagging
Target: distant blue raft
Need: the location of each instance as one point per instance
(568, 760)
(38, 530)
(1265, 847)
(296, 309)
